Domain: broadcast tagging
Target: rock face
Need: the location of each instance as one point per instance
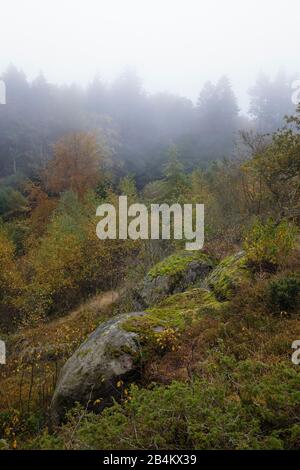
(172, 275)
(105, 358)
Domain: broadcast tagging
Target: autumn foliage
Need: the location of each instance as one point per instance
(75, 165)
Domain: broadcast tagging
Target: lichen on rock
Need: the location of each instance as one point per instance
(96, 366)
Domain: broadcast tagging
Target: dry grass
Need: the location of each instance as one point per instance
(35, 355)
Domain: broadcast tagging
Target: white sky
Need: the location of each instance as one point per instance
(175, 45)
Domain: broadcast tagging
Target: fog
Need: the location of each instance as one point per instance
(174, 45)
(153, 80)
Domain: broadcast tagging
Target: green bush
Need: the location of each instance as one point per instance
(11, 201)
(268, 245)
(242, 405)
(283, 294)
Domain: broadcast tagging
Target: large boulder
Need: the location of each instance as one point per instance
(172, 275)
(118, 349)
(95, 369)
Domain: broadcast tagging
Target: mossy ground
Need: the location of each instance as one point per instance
(160, 329)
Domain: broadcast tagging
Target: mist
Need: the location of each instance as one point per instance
(174, 46)
(150, 79)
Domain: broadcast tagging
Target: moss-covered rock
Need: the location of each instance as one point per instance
(174, 274)
(225, 278)
(173, 314)
(179, 263)
(118, 347)
(92, 372)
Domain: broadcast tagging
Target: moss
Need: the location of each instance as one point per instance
(160, 328)
(178, 263)
(224, 279)
(176, 311)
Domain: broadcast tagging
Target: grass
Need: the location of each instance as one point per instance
(28, 379)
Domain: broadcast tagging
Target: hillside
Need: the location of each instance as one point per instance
(136, 343)
(220, 369)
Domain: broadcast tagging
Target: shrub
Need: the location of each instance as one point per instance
(11, 281)
(15, 427)
(268, 245)
(69, 262)
(11, 201)
(242, 405)
(283, 294)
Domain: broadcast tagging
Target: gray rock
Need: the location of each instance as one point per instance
(93, 371)
(153, 289)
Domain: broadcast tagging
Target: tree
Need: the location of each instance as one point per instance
(278, 167)
(217, 119)
(96, 96)
(11, 201)
(76, 164)
(271, 101)
(175, 178)
(16, 131)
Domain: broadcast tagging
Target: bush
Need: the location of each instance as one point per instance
(70, 262)
(11, 281)
(11, 201)
(242, 405)
(15, 427)
(283, 294)
(268, 245)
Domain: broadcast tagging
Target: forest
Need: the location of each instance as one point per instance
(141, 344)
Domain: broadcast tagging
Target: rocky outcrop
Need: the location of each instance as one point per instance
(94, 370)
(114, 352)
(174, 274)
(118, 349)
